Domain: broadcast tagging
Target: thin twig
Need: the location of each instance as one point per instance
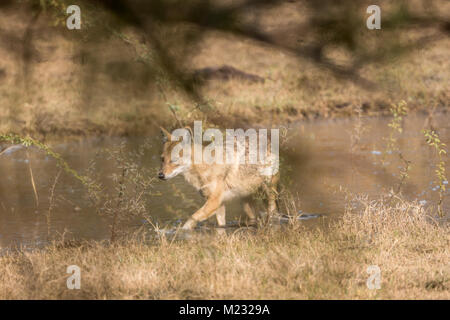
(51, 198)
(33, 184)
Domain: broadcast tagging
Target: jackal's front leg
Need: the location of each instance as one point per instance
(213, 203)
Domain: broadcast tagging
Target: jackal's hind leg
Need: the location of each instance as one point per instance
(220, 216)
(250, 213)
(271, 192)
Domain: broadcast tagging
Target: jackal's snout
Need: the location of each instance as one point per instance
(161, 175)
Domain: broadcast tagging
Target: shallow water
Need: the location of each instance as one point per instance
(320, 162)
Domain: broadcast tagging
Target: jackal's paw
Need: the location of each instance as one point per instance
(190, 224)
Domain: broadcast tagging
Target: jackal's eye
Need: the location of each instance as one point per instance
(162, 159)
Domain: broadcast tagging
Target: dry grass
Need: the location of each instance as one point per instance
(289, 263)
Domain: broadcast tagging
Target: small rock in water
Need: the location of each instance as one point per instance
(77, 209)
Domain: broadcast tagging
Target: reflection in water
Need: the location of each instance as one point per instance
(320, 161)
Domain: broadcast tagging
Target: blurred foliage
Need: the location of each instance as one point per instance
(434, 141)
(168, 31)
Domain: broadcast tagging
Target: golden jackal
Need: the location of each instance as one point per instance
(220, 182)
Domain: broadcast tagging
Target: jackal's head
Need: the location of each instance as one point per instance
(172, 163)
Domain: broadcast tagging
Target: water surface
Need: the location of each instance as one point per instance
(322, 158)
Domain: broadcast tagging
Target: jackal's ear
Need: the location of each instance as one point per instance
(166, 134)
(190, 131)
